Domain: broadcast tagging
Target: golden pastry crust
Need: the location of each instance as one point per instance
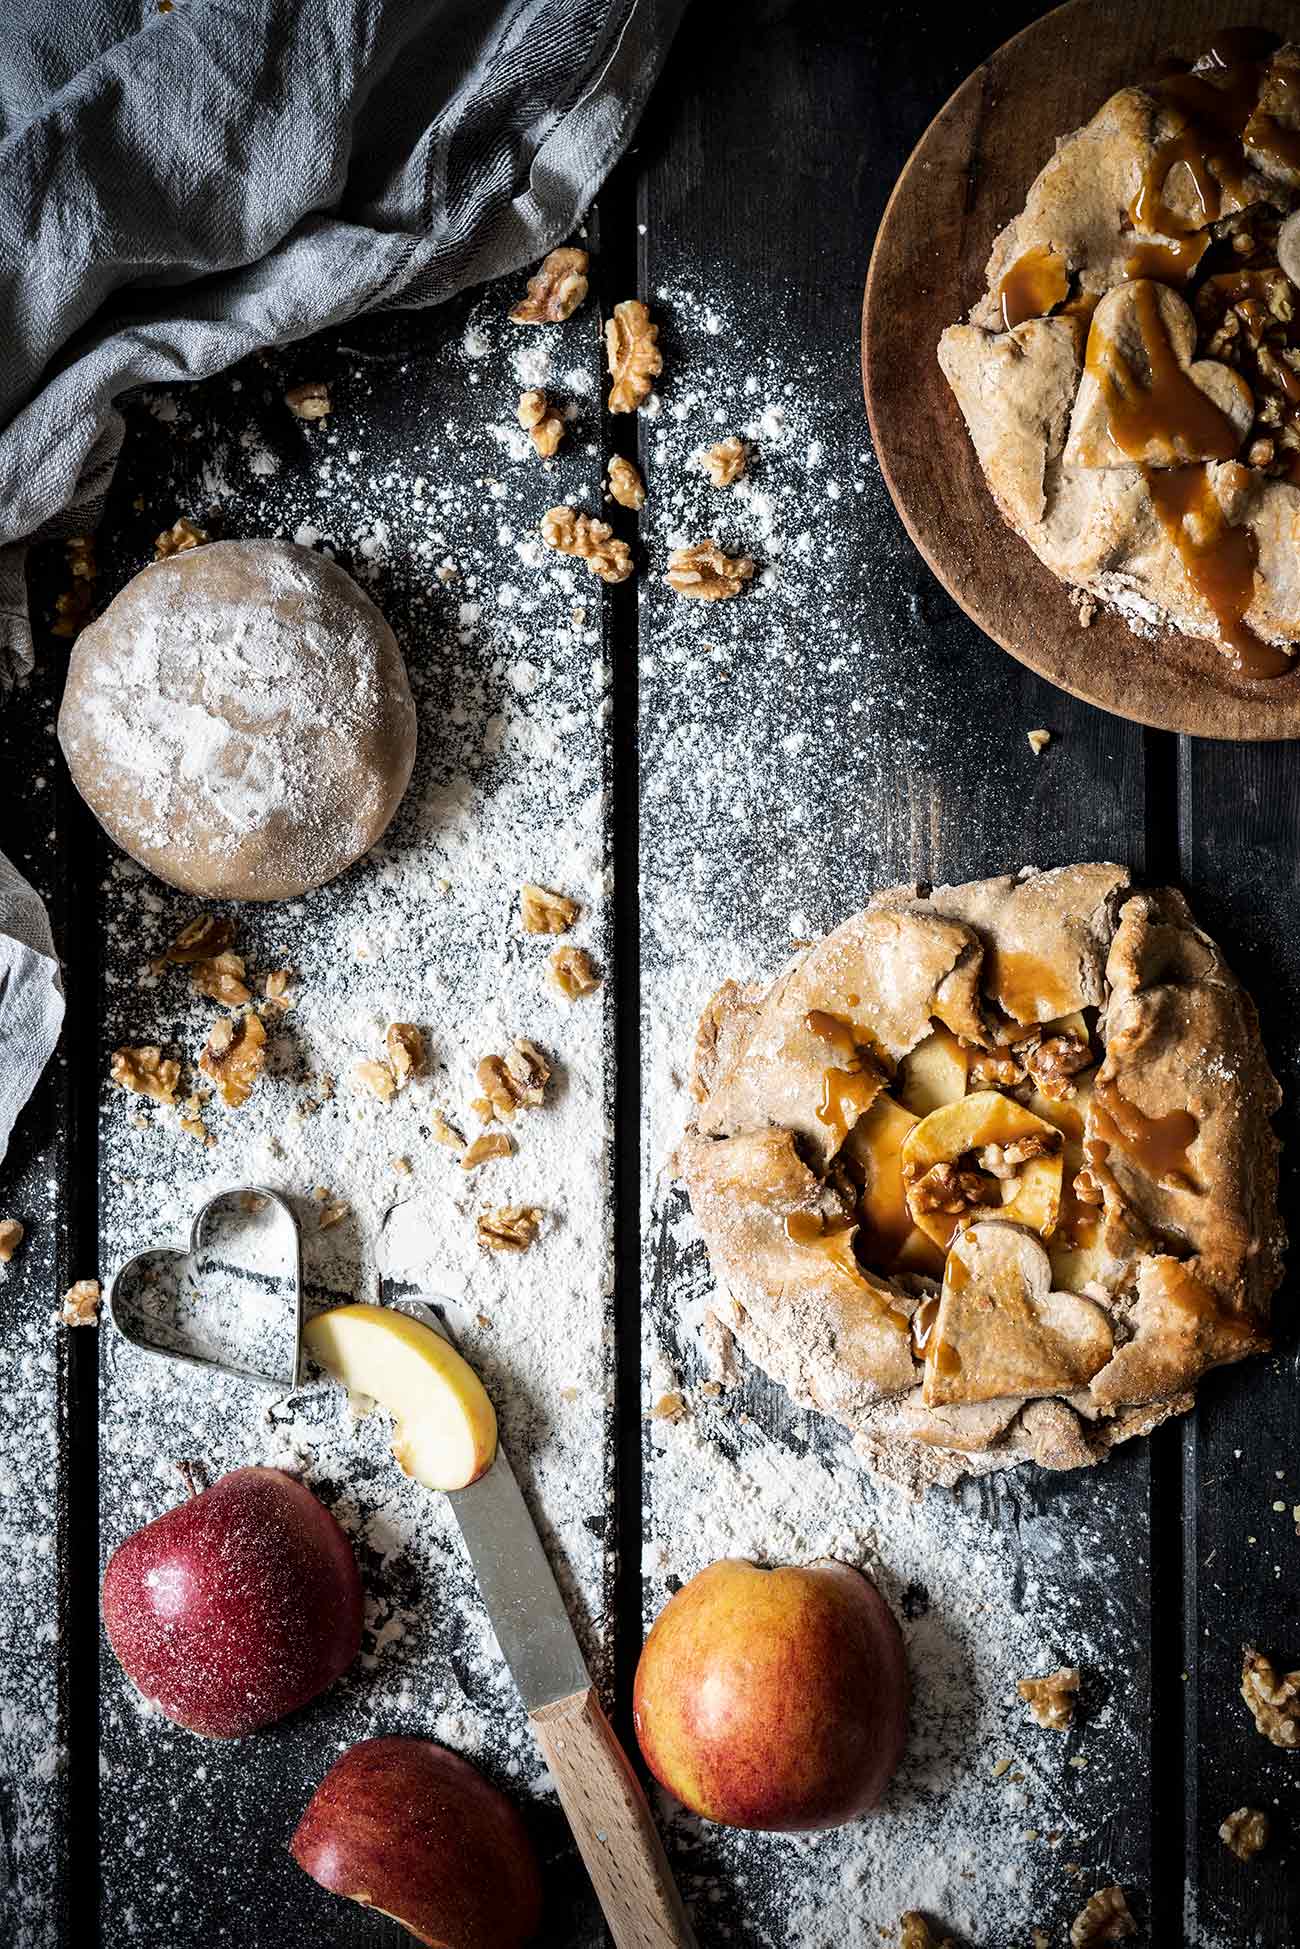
(1058, 1280)
(1138, 438)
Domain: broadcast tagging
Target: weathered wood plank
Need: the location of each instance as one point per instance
(1241, 816)
(418, 467)
(838, 727)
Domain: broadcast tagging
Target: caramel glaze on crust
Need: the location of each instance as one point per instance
(1165, 1256)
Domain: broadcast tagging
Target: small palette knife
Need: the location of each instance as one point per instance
(601, 1795)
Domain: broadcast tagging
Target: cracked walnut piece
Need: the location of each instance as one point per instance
(633, 355)
(587, 540)
(571, 972)
(625, 484)
(540, 421)
(1105, 1918)
(11, 1237)
(233, 1058)
(705, 573)
(201, 939)
(543, 911)
(146, 1071)
(725, 462)
(1245, 1833)
(555, 291)
(81, 1304)
(510, 1228)
(514, 1082)
(221, 979)
(376, 1077)
(1052, 1700)
(404, 1044)
(487, 1145)
(914, 1932)
(310, 401)
(175, 540)
(1273, 1697)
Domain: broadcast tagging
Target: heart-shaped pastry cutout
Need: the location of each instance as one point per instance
(1001, 1330)
(232, 1300)
(1143, 397)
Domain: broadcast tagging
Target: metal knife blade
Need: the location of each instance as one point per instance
(514, 1574)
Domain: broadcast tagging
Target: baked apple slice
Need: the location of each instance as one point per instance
(984, 1154)
(934, 1074)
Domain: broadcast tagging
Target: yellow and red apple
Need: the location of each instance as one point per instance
(774, 1698)
(408, 1828)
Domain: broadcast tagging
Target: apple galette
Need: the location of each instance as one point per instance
(988, 1173)
(1131, 376)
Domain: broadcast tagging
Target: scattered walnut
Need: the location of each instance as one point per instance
(487, 1145)
(543, 425)
(1005, 1160)
(572, 972)
(175, 540)
(703, 572)
(1052, 1700)
(995, 1069)
(1105, 1918)
(11, 1237)
(81, 1304)
(1053, 1061)
(332, 1212)
(914, 1932)
(1245, 1833)
(445, 1134)
(402, 1166)
(221, 979)
(1039, 741)
(633, 355)
(233, 1058)
(725, 462)
(555, 291)
(405, 1046)
(378, 1078)
(1273, 1697)
(590, 541)
(72, 609)
(510, 1228)
(516, 1081)
(275, 987)
(544, 911)
(949, 1190)
(626, 484)
(201, 939)
(310, 401)
(147, 1072)
(192, 1119)
(669, 1407)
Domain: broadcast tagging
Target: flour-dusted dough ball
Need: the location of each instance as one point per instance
(239, 720)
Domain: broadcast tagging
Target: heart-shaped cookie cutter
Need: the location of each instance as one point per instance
(186, 1257)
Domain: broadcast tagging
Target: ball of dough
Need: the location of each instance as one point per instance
(239, 720)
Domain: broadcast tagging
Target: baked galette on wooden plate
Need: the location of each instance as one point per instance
(1131, 376)
(988, 1173)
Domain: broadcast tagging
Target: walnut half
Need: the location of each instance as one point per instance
(540, 421)
(572, 973)
(1104, 1918)
(147, 1072)
(1245, 1832)
(633, 355)
(625, 484)
(1052, 1700)
(587, 540)
(81, 1304)
(705, 574)
(221, 979)
(556, 290)
(516, 1081)
(233, 1058)
(725, 462)
(510, 1228)
(1273, 1697)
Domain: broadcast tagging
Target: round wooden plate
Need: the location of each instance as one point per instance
(967, 177)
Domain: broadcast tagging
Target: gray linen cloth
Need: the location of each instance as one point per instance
(180, 188)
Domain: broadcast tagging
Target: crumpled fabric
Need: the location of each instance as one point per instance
(31, 995)
(179, 189)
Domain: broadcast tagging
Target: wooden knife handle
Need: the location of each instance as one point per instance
(612, 1824)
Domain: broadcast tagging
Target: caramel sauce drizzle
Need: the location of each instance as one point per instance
(1036, 283)
(1024, 985)
(1207, 144)
(923, 1325)
(802, 1227)
(1168, 263)
(1157, 1145)
(1219, 558)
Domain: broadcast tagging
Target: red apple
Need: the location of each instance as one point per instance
(408, 1828)
(774, 1698)
(237, 1606)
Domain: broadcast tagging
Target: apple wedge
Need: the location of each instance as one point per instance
(444, 1425)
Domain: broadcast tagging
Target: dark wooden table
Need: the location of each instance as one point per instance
(757, 771)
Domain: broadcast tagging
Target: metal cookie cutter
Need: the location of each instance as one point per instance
(162, 1299)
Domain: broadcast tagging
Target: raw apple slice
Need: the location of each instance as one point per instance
(934, 1074)
(444, 1426)
(1031, 1198)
